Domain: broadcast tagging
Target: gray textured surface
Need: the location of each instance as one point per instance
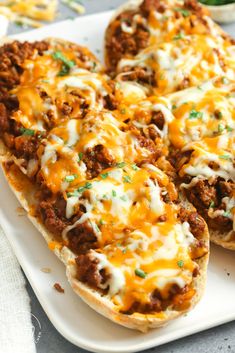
(220, 339)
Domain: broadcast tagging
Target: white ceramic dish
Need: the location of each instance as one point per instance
(71, 317)
(223, 13)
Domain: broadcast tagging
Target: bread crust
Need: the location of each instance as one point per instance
(25, 191)
(101, 304)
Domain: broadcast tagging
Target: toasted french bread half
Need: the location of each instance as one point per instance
(133, 5)
(226, 240)
(25, 190)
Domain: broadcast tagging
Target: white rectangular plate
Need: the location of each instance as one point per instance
(71, 317)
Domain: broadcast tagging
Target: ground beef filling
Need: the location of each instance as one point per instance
(120, 43)
(87, 271)
(12, 56)
(52, 212)
(205, 195)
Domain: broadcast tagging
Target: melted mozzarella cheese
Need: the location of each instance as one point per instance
(205, 111)
(187, 61)
(123, 205)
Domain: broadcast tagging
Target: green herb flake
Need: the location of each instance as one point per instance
(80, 155)
(64, 71)
(97, 228)
(121, 164)
(101, 222)
(73, 194)
(114, 194)
(178, 36)
(184, 12)
(104, 175)
(221, 128)
(134, 167)
(227, 214)
(225, 80)
(123, 198)
(127, 179)
(180, 263)
(123, 111)
(84, 187)
(27, 132)
(212, 204)
(219, 115)
(229, 129)
(194, 114)
(225, 156)
(174, 107)
(67, 64)
(70, 178)
(140, 273)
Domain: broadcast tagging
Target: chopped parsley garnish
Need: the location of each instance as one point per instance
(225, 156)
(88, 185)
(184, 12)
(114, 194)
(64, 71)
(229, 129)
(94, 66)
(81, 189)
(104, 175)
(219, 115)
(178, 36)
(123, 111)
(134, 167)
(221, 128)
(121, 164)
(96, 228)
(70, 178)
(127, 179)
(212, 204)
(85, 187)
(123, 198)
(227, 214)
(174, 107)
(140, 273)
(80, 155)
(194, 114)
(225, 80)
(180, 263)
(27, 132)
(101, 222)
(67, 64)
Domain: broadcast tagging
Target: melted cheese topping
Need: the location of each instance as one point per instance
(123, 209)
(211, 158)
(60, 155)
(184, 61)
(49, 91)
(165, 25)
(26, 12)
(204, 111)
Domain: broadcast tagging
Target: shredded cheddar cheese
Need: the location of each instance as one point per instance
(178, 64)
(29, 12)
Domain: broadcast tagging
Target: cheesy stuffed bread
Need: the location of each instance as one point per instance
(89, 181)
(198, 126)
(203, 131)
(184, 62)
(139, 24)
